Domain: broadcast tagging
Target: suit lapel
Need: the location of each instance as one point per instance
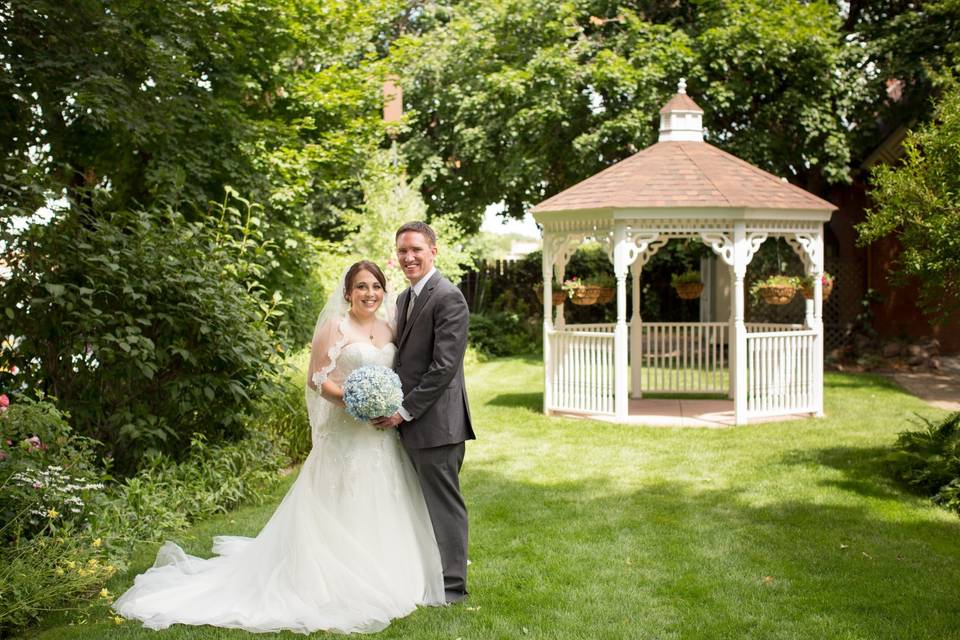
(418, 306)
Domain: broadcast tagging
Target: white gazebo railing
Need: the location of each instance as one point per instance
(682, 357)
(780, 373)
(580, 375)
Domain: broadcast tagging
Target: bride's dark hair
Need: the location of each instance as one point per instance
(357, 267)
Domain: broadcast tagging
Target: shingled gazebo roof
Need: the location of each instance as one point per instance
(683, 171)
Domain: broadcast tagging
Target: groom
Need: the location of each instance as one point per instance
(434, 420)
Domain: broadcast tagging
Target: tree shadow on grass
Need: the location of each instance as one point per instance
(864, 468)
(530, 401)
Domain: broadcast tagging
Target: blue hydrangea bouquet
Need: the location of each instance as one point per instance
(372, 391)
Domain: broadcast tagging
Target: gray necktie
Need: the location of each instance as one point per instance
(410, 303)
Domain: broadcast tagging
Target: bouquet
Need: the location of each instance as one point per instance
(372, 391)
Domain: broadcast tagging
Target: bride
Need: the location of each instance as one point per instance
(351, 545)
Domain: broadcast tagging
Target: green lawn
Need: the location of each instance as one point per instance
(588, 530)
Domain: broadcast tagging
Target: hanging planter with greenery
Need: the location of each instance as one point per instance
(559, 295)
(689, 286)
(776, 289)
(607, 286)
(806, 286)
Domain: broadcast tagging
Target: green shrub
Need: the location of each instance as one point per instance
(167, 495)
(146, 327)
(929, 460)
(503, 334)
(283, 413)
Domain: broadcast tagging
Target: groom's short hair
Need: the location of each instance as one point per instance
(418, 227)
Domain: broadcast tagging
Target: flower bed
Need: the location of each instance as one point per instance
(66, 526)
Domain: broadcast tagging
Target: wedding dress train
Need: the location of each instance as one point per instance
(349, 548)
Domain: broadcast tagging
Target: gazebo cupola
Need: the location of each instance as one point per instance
(682, 187)
(681, 120)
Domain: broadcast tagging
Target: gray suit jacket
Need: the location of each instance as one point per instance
(430, 350)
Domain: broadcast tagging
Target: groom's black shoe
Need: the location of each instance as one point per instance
(454, 597)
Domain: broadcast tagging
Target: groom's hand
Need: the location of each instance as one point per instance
(388, 422)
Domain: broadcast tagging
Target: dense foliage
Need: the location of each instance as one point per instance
(515, 100)
(143, 105)
(929, 460)
(283, 413)
(147, 327)
(919, 200)
(170, 101)
(502, 333)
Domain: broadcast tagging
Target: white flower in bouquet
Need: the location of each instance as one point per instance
(372, 391)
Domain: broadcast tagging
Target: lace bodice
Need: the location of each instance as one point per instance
(351, 356)
(358, 354)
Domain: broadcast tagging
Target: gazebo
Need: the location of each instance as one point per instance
(682, 187)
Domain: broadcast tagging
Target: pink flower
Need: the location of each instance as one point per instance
(37, 485)
(34, 442)
(14, 370)
(391, 263)
(4, 401)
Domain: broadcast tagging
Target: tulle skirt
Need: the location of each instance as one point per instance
(349, 548)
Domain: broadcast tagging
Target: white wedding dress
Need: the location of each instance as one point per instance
(349, 548)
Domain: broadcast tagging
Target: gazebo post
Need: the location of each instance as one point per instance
(547, 268)
(731, 340)
(559, 272)
(738, 358)
(817, 263)
(636, 337)
(620, 398)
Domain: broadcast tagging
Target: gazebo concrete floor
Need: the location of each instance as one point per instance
(657, 412)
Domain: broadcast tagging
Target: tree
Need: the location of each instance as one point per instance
(389, 200)
(169, 102)
(515, 100)
(919, 200)
(139, 105)
(896, 52)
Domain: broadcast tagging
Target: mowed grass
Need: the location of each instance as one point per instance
(581, 529)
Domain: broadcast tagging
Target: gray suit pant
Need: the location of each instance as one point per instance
(439, 469)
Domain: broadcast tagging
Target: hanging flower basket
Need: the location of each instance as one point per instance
(605, 286)
(580, 292)
(782, 294)
(688, 285)
(689, 290)
(776, 289)
(585, 295)
(559, 295)
(806, 286)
